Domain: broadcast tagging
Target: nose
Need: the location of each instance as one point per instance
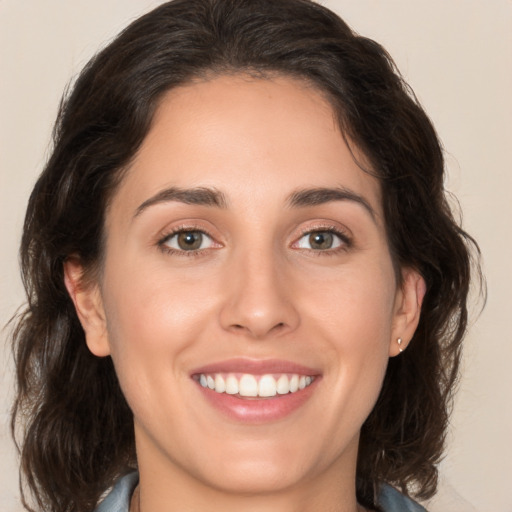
(258, 302)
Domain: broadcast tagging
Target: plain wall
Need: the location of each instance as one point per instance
(456, 54)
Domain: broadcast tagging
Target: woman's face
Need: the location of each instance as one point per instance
(246, 250)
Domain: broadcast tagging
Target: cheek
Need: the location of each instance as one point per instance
(354, 314)
(152, 316)
(355, 304)
(154, 322)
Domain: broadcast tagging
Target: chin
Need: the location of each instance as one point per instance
(255, 477)
(260, 467)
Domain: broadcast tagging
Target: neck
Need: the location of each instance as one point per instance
(136, 507)
(168, 487)
(253, 504)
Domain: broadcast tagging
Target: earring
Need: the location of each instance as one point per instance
(399, 341)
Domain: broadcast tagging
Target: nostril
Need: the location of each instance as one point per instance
(278, 327)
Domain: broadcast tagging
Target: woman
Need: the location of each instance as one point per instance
(246, 288)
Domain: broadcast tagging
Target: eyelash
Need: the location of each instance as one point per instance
(176, 231)
(346, 240)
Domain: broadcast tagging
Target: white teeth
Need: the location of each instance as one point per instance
(267, 386)
(231, 385)
(283, 385)
(220, 384)
(248, 386)
(252, 386)
(294, 383)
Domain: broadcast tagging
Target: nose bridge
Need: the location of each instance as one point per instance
(258, 301)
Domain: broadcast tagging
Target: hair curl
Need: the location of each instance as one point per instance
(76, 433)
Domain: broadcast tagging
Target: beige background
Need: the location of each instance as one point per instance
(457, 55)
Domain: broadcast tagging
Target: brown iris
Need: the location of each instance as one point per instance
(190, 240)
(321, 240)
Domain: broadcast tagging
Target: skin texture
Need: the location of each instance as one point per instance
(255, 289)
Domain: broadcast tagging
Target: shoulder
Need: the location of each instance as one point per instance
(393, 501)
(118, 499)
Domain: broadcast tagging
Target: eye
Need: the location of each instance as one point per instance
(187, 240)
(321, 240)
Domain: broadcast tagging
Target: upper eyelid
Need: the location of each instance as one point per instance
(339, 230)
(184, 226)
(172, 234)
(164, 239)
(344, 237)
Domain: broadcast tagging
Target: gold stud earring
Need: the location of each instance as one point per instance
(399, 341)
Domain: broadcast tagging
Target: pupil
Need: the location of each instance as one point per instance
(190, 240)
(321, 240)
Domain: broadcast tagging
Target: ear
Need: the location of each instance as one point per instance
(88, 303)
(408, 300)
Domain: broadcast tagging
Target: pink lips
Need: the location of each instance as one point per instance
(256, 367)
(256, 410)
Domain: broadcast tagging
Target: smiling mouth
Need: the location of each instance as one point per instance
(248, 385)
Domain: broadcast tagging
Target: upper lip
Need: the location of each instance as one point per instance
(256, 367)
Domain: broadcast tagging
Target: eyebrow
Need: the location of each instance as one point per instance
(199, 196)
(210, 197)
(318, 196)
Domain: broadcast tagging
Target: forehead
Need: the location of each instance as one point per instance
(238, 133)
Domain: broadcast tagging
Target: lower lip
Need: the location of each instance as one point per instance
(258, 410)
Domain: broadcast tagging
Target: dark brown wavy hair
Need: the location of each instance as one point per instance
(73, 426)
